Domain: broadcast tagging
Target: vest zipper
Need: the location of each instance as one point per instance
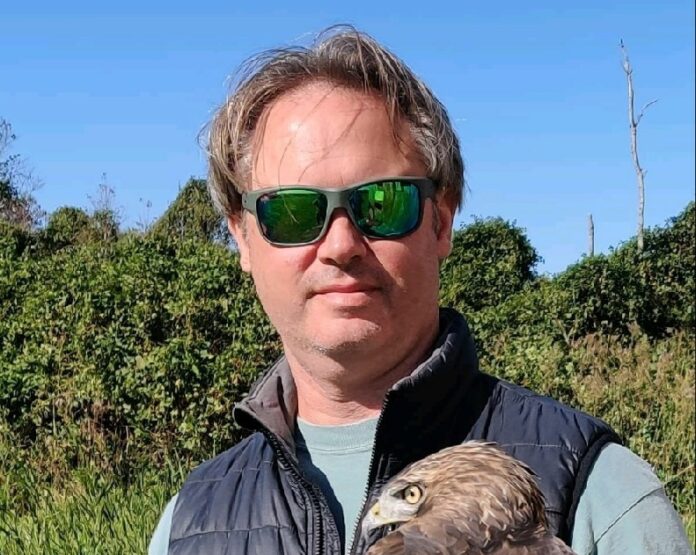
(311, 489)
(366, 495)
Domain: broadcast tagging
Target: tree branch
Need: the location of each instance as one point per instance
(643, 109)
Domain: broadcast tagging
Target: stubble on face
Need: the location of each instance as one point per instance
(382, 290)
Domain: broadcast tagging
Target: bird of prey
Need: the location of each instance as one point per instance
(470, 499)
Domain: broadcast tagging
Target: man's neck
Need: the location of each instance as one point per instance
(326, 403)
(331, 392)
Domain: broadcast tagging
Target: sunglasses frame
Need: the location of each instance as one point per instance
(340, 198)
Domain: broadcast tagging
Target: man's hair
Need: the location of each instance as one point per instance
(344, 57)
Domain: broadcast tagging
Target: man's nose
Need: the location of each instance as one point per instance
(342, 242)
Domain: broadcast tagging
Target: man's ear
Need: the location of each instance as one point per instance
(237, 228)
(445, 214)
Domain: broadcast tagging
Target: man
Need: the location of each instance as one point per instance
(339, 174)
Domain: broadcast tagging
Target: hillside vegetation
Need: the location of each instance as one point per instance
(122, 354)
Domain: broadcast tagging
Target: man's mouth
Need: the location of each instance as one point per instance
(344, 288)
(346, 296)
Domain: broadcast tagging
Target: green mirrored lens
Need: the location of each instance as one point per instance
(386, 208)
(291, 216)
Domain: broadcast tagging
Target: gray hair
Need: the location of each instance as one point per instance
(340, 56)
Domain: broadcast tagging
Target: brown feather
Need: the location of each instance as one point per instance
(477, 499)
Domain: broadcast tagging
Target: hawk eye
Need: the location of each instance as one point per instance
(413, 494)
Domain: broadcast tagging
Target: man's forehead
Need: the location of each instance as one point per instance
(322, 114)
(321, 123)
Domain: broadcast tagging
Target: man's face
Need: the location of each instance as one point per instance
(345, 294)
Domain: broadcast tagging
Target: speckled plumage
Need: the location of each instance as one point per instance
(474, 499)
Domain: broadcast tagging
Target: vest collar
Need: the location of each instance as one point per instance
(417, 410)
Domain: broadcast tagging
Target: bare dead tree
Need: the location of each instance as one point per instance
(633, 123)
(590, 235)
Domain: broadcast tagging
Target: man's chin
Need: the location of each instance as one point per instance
(344, 335)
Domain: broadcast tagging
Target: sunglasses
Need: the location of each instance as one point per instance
(387, 208)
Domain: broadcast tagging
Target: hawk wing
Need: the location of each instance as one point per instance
(437, 537)
(425, 537)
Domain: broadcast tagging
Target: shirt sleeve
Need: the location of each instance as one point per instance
(159, 543)
(624, 509)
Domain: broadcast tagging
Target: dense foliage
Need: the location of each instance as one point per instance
(124, 352)
(191, 216)
(491, 260)
(117, 348)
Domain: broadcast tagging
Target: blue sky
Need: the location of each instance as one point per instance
(535, 89)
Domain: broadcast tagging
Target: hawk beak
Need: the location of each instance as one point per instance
(375, 519)
(372, 520)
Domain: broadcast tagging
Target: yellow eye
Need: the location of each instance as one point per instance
(413, 494)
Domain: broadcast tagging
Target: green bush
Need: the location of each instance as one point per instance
(68, 226)
(192, 216)
(600, 294)
(654, 289)
(666, 266)
(14, 240)
(491, 260)
(132, 348)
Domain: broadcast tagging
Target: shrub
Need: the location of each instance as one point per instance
(491, 260)
(68, 226)
(125, 351)
(600, 294)
(14, 240)
(654, 289)
(666, 266)
(192, 216)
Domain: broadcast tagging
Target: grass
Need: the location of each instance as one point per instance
(88, 514)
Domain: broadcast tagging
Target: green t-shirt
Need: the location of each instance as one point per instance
(623, 510)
